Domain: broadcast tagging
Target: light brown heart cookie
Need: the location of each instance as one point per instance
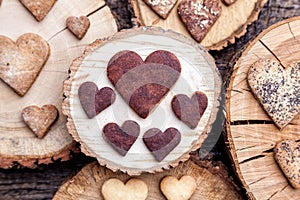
(38, 8)
(175, 189)
(161, 7)
(38, 119)
(199, 16)
(22, 61)
(134, 189)
(78, 25)
(277, 89)
(287, 155)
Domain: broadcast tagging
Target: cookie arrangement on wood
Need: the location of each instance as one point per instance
(141, 119)
(263, 113)
(32, 70)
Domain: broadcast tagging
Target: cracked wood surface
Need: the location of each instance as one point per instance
(19, 146)
(88, 182)
(252, 144)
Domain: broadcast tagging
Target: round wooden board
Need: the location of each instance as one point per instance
(231, 24)
(18, 143)
(251, 133)
(92, 67)
(88, 182)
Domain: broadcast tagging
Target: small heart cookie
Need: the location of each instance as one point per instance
(94, 101)
(229, 2)
(161, 7)
(199, 16)
(287, 155)
(175, 189)
(121, 138)
(277, 89)
(22, 61)
(38, 119)
(78, 25)
(38, 8)
(161, 143)
(143, 84)
(190, 110)
(134, 189)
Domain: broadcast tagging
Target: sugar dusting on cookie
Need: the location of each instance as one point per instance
(161, 7)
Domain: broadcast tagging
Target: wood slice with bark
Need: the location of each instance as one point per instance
(193, 59)
(18, 144)
(231, 24)
(252, 135)
(88, 182)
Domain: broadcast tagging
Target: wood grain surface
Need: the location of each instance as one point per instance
(43, 182)
(252, 143)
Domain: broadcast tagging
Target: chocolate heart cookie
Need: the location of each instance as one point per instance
(161, 7)
(121, 138)
(38, 8)
(94, 101)
(22, 61)
(143, 84)
(190, 110)
(277, 89)
(287, 155)
(199, 16)
(78, 25)
(38, 119)
(161, 143)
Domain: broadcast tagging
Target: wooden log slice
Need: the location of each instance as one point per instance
(252, 135)
(18, 143)
(198, 73)
(231, 24)
(88, 182)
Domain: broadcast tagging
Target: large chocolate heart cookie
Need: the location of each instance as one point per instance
(38, 8)
(199, 16)
(161, 7)
(190, 110)
(287, 155)
(94, 101)
(161, 143)
(22, 61)
(39, 120)
(277, 89)
(121, 138)
(143, 84)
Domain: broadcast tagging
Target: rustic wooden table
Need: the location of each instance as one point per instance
(43, 182)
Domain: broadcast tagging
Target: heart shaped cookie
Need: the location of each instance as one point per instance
(277, 89)
(161, 143)
(134, 189)
(229, 2)
(143, 84)
(190, 110)
(287, 155)
(22, 61)
(94, 101)
(78, 25)
(38, 8)
(39, 120)
(199, 16)
(121, 138)
(161, 7)
(176, 189)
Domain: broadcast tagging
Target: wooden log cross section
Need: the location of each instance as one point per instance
(18, 143)
(251, 133)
